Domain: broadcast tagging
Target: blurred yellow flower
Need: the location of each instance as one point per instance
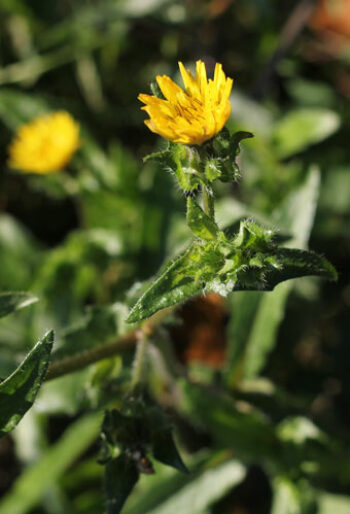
(192, 116)
(45, 144)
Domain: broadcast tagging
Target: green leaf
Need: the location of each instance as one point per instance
(249, 433)
(171, 287)
(198, 495)
(333, 503)
(236, 138)
(250, 261)
(226, 147)
(257, 316)
(12, 301)
(184, 163)
(164, 450)
(293, 263)
(292, 497)
(303, 127)
(32, 485)
(18, 391)
(121, 476)
(297, 212)
(200, 224)
(165, 482)
(17, 245)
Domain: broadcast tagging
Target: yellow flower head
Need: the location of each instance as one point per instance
(45, 144)
(195, 115)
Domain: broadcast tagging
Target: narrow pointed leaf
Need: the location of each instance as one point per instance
(164, 450)
(121, 476)
(200, 224)
(19, 390)
(173, 286)
(297, 263)
(36, 480)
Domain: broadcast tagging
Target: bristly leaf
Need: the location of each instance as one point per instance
(120, 478)
(12, 301)
(296, 263)
(19, 390)
(250, 261)
(226, 148)
(171, 287)
(200, 224)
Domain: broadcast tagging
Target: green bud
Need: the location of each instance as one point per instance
(213, 169)
(156, 90)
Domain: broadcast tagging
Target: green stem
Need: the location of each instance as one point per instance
(83, 359)
(138, 366)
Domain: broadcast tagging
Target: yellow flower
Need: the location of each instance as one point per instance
(195, 115)
(45, 144)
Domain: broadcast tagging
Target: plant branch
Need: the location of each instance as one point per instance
(83, 359)
(138, 368)
(87, 357)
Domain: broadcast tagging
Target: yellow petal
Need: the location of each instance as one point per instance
(192, 116)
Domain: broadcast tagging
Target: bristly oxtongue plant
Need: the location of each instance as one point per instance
(200, 151)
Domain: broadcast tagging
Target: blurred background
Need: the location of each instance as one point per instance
(80, 238)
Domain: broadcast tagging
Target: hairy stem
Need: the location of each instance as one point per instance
(83, 359)
(104, 351)
(138, 366)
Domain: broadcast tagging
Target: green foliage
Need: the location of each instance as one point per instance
(200, 224)
(120, 477)
(252, 330)
(203, 491)
(249, 261)
(226, 148)
(18, 391)
(292, 498)
(333, 503)
(100, 325)
(10, 302)
(16, 244)
(254, 388)
(35, 481)
(127, 439)
(303, 127)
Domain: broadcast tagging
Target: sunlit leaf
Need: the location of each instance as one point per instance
(333, 503)
(303, 127)
(30, 488)
(202, 492)
(249, 262)
(18, 391)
